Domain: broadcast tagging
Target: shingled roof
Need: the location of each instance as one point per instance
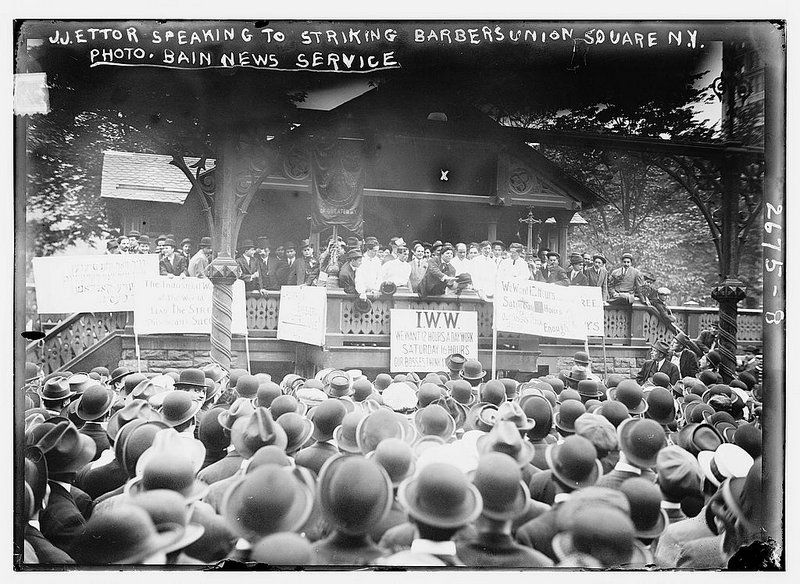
(145, 177)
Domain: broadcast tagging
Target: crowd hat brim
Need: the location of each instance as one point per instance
(344, 443)
(102, 410)
(196, 491)
(551, 455)
(408, 494)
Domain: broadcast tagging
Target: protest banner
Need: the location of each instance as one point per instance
(421, 339)
(181, 305)
(302, 314)
(97, 283)
(536, 308)
(589, 300)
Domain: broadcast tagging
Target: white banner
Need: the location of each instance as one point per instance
(589, 299)
(97, 283)
(421, 339)
(536, 308)
(302, 314)
(182, 305)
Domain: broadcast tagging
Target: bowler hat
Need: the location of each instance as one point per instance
(661, 379)
(461, 391)
(566, 415)
(377, 426)
(396, 457)
(504, 437)
(481, 416)
(247, 386)
(499, 481)
(382, 381)
(510, 386)
(345, 434)
(306, 243)
(298, 430)
(354, 493)
(493, 392)
(588, 389)
(644, 498)
(631, 394)
(554, 254)
(473, 370)
(144, 239)
(65, 449)
(57, 389)
(178, 407)
(268, 500)
(119, 373)
(284, 404)
(326, 417)
(748, 379)
(440, 495)
(362, 305)
(283, 549)
(640, 440)
(129, 382)
(211, 433)
(581, 358)
(697, 437)
(190, 378)
(266, 393)
(133, 439)
(428, 393)
(661, 405)
(246, 244)
(252, 432)
(540, 411)
(169, 242)
(575, 258)
(574, 462)
(95, 403)
(205, 242)
(748, 438)
(555, 383)
(727, 461)
(169, 508)
(354, 254)
(614, 379)
(455, 362)
(362, 389)
(124, 534)
(388, 288)
(435, 420)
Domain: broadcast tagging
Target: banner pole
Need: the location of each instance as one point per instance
(247, 351)
(605, 363)
(138, 351)
(494, 338)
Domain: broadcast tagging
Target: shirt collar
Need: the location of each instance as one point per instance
(670, 505)
(438, 548)
(35, 524)
(561, 497)
(67, 486)
(624, 466)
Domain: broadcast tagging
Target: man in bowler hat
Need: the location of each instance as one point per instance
(658, 362)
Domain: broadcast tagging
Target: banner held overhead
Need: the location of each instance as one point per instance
(535, 308)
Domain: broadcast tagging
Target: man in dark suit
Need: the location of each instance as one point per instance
(269, 264)
(347, 273)
(554, 273)
(305, 270)
(575, 271)
(285, 266)
(597, 275)
(249, 266)
(171, 263)
(440, 274)
(687, 359)
(658, 362)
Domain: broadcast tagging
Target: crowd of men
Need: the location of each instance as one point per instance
(661, 468)
(368, 269)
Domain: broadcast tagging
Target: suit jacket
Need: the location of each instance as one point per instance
(62, 521)
(45, 551)
(433, 283)
(671, 540)
(599, 279)
(630, 282)
(269, 273)
(689, 367)
(282, 271)
(221, 469)
(615, 478)
(578, 279)
(250, 272)
(417, 273)
(344, 550)
(303, 272)
(396, 516)
(347, 279)
(176, 267)
(499, 551)
(314, 456)
(649, 369)
(97, 433)
(557, 275)
(538, 533)
(703, 554)
(102, 479)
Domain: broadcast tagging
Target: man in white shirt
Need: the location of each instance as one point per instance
(397, 270)
(484, 271)
(460, 262)
(514, 267)
(368, 276)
